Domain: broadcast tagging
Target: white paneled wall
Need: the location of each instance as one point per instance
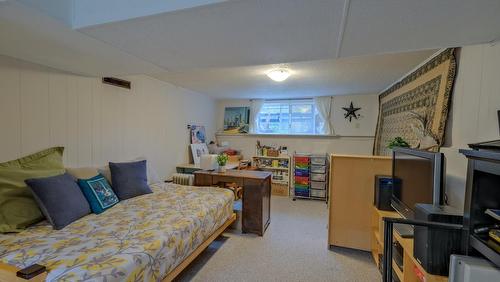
(476, 99)
(41, 107)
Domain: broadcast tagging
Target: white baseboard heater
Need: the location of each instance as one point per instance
(183, 179)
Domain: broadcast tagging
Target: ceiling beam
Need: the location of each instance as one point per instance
(345, 14)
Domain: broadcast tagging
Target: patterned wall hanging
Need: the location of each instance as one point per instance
(416, 107)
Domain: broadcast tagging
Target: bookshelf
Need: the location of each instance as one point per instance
(280, 167)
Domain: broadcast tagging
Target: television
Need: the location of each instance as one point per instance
(418, 178)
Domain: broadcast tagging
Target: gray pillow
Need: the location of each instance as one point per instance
(129, 179)
(60, 199)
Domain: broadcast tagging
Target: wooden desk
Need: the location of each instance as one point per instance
(256, 214)
(191, 168)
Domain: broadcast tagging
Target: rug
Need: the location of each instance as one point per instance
(416, 107)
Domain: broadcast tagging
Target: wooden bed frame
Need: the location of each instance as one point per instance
(8, 272)
(179, 268)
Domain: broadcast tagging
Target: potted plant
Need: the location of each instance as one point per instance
(221, 161)
(398, 142)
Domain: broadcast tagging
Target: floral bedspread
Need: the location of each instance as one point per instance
(140, 239)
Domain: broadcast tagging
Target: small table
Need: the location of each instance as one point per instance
(256, 214)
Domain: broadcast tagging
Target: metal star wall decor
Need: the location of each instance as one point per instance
(351, 112)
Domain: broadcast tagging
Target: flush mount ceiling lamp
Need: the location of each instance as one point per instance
(279, 74)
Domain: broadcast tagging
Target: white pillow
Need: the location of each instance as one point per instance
(151, 172)
(82, 172)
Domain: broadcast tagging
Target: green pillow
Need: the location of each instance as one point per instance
(18, 208)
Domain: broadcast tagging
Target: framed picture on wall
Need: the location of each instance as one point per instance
(236, 119)
(197, 150)
(198, 134)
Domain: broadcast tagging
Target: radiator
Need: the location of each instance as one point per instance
(183, 179)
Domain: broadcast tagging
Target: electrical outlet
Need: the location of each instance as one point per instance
(357, 125)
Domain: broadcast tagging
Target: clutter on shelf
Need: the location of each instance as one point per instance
(270, 151)
(233, 154)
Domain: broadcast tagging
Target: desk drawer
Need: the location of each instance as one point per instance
(216, 179)
(202, 180)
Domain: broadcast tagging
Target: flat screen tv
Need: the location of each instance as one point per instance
(418, 178)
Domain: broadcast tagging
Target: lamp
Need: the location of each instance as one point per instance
(279, 74)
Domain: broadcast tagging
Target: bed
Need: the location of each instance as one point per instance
(147, 238)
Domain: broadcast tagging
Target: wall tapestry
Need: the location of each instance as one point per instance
(236, 119)
(416, 107)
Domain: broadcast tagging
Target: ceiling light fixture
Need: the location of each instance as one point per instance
(279, 74)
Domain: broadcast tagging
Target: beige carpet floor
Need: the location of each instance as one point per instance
(294, 248)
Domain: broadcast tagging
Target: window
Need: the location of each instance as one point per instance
(289, 117)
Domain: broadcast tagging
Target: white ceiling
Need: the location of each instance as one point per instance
(96, 12)
(237, 33)
(257, 32)
(357, 75)
(221, 47)
(382, 26)
(32, 36)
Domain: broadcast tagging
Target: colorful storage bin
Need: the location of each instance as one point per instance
(301, 186)
(300, 159)
(301, 192)
(301, 172)
(302, 180)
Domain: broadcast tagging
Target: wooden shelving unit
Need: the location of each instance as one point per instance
(410, 264)
(281, 169)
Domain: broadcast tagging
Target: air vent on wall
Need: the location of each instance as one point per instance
(117, 82)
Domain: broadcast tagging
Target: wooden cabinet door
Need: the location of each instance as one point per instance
(253, 196)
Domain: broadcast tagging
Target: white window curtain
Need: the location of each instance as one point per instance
(255, 108)
(324, 107)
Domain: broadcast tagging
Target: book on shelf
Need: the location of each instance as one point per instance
(495, 213)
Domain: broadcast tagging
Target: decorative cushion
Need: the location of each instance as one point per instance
(151, 172)
(82, 172)
(98, 192)
(59, 198)
(18, 208)
(129, 179)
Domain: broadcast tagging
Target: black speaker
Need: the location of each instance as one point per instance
(432, 247)
(383, 192)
